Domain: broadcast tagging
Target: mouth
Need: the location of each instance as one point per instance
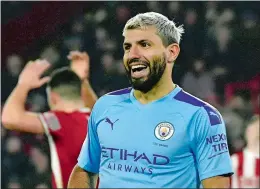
(139, 70)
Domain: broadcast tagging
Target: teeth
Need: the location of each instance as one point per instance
(138, 66)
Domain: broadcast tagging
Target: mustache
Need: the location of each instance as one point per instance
(137, 60)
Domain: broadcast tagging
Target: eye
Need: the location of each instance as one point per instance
(126, 47)
(145, 44)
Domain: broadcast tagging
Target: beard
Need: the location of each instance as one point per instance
(156, 66)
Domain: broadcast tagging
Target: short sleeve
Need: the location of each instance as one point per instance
(89, 157)
(209, 143)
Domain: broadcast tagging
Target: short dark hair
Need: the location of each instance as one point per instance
(66, 83)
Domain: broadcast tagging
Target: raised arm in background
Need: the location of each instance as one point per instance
(14, 115)
(80, 64)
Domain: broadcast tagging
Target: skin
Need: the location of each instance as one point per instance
(146, 46)
(252, 136)
(80, 64)
(80, 178)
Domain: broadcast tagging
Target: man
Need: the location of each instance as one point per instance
(246, 164)
(66, 124)
(154, 135)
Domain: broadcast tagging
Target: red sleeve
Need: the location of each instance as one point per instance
(51, 123)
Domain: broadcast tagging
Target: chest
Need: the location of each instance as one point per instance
(150, 131)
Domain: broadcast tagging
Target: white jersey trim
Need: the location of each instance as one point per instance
(55, 161)
(85, 110)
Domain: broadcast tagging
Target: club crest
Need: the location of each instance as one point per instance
(164, 131)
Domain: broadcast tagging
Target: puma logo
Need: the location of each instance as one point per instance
(212, 113)
(110, 122)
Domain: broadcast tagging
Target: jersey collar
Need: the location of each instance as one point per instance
(174, 92)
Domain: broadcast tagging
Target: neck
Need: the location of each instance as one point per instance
(68, 106)
(161, 89)
(253, 148)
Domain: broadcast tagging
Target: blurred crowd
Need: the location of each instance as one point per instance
(220, 46)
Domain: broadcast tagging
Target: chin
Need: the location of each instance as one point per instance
(142, 86)
(140, 79)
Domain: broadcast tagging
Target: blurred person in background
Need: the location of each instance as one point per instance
(246, 164)
(15, 161)
(183, 138)
(248, 37)
(51, 54)
(199, 82)
(41, 186)
(41, 164)
(112, 76)
(75, 39)
(14, 65)
(14, 183)
(234, 122)
(66, 124)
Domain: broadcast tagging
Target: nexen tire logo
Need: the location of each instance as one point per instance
(140, 158)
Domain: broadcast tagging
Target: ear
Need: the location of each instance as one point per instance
(173, 51)
(54, 97)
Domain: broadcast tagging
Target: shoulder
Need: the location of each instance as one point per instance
(51, 120)
(63, 117)
(120, 92)
(111, 99)
(50, 115)
(115, 97)
(194, 107)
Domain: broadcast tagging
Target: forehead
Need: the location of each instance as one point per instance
(133, 35)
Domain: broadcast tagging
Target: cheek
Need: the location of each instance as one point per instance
(87, 66)
(251, 132)
(256, 131)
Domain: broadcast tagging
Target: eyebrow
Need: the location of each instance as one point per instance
(140, 41)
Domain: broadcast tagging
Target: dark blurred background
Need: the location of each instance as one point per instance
(219, 62)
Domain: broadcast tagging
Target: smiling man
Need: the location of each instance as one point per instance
(153, 135)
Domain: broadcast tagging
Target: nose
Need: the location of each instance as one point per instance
(134, 52)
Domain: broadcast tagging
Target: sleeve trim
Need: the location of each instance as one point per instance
(87, 168)
(44, 124)
(215, 173)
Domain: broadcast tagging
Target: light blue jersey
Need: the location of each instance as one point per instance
(174, 142)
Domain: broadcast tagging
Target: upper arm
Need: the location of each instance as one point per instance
(88, 95)
(80, 178)
(29, 122)
(217, 182)
(89, 157)
(209, 144)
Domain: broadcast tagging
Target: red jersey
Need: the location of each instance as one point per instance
(66, 133)
(246, 166)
